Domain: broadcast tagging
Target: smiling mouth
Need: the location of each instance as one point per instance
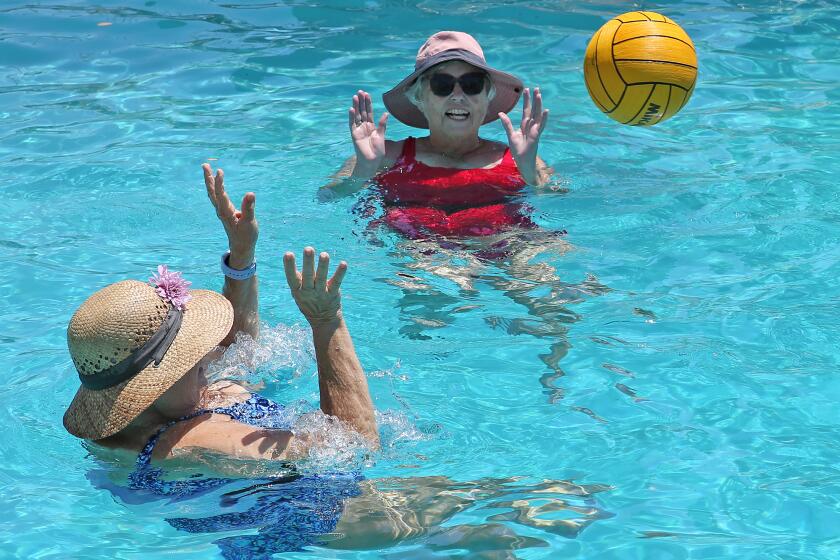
(458, 114)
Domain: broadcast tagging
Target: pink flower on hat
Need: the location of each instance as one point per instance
(171, 287)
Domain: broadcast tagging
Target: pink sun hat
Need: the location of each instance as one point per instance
(444, 46)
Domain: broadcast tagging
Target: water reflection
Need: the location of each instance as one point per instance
(393, 511)
(294, 510)
(516, 263)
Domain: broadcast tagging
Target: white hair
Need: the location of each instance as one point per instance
(414, 91)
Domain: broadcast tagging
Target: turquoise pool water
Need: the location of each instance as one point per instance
(666, 388)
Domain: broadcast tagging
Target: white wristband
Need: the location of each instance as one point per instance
(237, 274)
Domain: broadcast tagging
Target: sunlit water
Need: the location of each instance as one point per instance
(663, 387)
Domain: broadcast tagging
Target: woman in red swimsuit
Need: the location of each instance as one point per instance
(456, 187)
(451, 183)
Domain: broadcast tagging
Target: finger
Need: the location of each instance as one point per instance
(526, 106)
(335, 282)
(352, 116)
(383, 121)
(323, 270)
(368, 108)
(224, 207)
(308, 270)
(249, 201)
(357, 110)
(231, 210)
(289, 266)
(543, 120)
(208, 182)
(537, 108)
(506, 124)
(360, 115)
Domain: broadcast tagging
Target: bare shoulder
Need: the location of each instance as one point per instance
(495, 146)
(493, 153)
(221, 434)
(226, 389)
(393, 149)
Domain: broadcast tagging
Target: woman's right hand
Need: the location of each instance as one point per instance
(368, 138)
(240, 224)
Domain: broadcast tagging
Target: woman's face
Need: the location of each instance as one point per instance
(456, 113)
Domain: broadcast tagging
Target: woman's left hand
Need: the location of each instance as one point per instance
(240, 225)
(524, 141)
(318, 298)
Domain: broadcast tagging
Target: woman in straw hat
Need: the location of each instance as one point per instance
(451, 182)
(142, 349)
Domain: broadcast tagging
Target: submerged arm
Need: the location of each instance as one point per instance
(344, 182)
(538, 175)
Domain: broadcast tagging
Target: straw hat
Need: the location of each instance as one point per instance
(444, 46)
(120, 321)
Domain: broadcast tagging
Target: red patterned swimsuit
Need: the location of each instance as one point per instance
(421, 200)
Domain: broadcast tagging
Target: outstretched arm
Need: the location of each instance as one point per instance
(242, 233)
(343, 183)
(341, 379)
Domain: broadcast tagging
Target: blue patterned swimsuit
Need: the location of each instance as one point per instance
(289, 512)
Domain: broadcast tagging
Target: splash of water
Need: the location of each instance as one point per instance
(279, 351)
(328, 444)
(281, 354)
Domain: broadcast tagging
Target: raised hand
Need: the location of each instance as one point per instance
(341, 380)
(240, 225)
(368, 138)
(523, 142)
(317, 298)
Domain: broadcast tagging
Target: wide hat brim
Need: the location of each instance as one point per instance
(98, 414)
(508, 89)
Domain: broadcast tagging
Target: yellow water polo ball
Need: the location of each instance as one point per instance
(640, 68)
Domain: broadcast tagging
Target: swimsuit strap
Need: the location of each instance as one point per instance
(507, 158)
(145, 457)
(407, 156)
(146, 477)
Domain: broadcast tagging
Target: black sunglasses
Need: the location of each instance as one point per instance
(472, 83)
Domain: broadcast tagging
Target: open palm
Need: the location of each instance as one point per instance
(368, 138)
(524, 141)
(317, 297)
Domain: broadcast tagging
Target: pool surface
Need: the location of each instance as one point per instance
(661, 385)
